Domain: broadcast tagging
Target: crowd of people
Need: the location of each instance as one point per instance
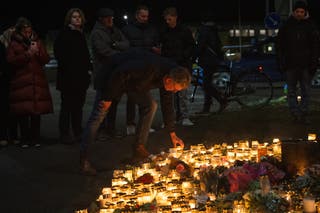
(131, 61)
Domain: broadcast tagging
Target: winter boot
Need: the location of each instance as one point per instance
(85, 166)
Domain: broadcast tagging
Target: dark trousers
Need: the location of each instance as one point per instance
(210, 91)
(303, 77)
(131, 110)
(8, 122)
(29, 129)
(71, 112)
(147, 109)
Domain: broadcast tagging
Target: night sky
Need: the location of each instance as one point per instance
(51, 14)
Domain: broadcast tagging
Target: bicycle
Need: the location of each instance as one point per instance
(250, 88)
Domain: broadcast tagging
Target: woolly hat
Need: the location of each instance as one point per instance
(105, 12)
(300, 4)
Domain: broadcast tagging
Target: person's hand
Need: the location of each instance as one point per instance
(156, 50)
(33, 49)
(176, 141)
(105, 105)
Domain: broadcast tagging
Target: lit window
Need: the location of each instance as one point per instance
(251, 32)
(262, 32)
(231, 33)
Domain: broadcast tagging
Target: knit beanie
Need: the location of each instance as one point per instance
(300, 4)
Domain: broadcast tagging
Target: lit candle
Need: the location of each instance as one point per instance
(312, 137)
(309, 205)
(192, 203)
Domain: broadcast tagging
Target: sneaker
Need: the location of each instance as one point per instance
(87, 169)
(203, 113)
(131, 130)
(37, 145)
(24, 146)
(15, 142)
(140, 151)
(151, 130)
(3, 143)
(186, 122)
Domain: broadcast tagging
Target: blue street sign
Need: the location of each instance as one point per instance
(272, 21)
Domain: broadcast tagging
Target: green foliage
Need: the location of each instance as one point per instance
(269, 203)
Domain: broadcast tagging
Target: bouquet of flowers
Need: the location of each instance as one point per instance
(309, 183)
(240, 177)
(181, 167)
(269, 203)
(213, 180)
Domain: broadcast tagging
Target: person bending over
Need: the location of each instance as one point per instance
(137, 72)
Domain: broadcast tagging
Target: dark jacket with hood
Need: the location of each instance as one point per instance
(298, 44)
(71, 51)
(142, 35)
(29, 89)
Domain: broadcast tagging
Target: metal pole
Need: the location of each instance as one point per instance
(240, 28)
(290, 6)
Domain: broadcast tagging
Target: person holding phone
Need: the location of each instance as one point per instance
(29, 90)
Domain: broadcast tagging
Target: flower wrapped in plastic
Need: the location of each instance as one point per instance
(240, 177)
(268, 203)
(181, 167)
(213, 179)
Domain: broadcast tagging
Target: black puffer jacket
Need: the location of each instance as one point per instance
(141, 35)
(298, 44)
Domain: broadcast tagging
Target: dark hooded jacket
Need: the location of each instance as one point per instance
(209, 48)
(298, 44)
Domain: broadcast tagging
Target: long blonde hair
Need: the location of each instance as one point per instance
(5, 38)
(68, 16)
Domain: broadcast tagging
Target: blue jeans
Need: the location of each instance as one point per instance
(181, 100)
(303, 77)
(96, 118)
(147, 110)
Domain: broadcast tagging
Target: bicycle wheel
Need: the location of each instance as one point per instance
(253, 89)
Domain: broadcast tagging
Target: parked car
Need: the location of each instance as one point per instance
(261, 55)
(52, 64)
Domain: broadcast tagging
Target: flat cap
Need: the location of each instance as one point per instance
(104, 12)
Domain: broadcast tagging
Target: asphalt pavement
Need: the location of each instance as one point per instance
(47, 179)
